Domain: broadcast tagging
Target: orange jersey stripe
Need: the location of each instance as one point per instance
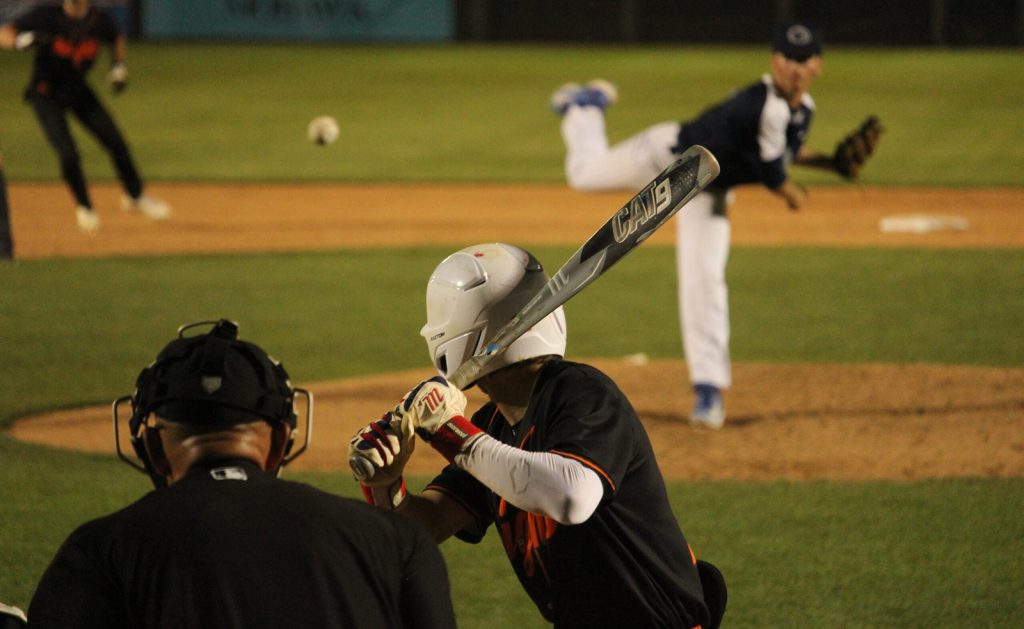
(589, 464)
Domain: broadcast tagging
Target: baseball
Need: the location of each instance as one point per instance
(322, 130)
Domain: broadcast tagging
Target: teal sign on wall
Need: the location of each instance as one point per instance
(317, 20)
(118, 9)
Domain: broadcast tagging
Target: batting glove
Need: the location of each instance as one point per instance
(118, 77)
(12, 617)
(386, 445)
(437, 411)
(24, 40)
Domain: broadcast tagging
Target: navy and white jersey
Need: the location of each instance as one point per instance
(755, 135)
(628, 565)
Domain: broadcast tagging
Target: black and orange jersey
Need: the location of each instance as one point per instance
(67, 50)
(628, 565)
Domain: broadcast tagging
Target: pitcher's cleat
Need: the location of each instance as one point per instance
(708, 409)
(596, 93)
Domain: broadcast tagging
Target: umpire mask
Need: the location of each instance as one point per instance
(213, 380)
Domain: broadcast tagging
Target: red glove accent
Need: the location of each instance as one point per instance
(386, 497)
(452, 437)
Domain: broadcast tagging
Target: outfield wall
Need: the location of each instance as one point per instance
(873, 22)
(305, 20)
(844, 22)
(120, 10)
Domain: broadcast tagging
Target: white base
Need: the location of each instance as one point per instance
(921, 223)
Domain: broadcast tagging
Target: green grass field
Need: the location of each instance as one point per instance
(228, 112)
(922, 554)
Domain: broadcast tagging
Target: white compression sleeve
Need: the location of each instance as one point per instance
(539, 482)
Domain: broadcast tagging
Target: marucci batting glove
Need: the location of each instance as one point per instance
(12, 617)
(386, 497)
(386, 444)
(437, 411)
(24, 40)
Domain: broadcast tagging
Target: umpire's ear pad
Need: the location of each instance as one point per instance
(282, 438)
(715, 593)
(156, 460)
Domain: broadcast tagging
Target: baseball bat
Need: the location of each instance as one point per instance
(632, 224)
(642, 215)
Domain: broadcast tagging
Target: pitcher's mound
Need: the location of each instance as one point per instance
(784, 421)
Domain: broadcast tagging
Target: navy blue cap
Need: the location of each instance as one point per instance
(798, 42)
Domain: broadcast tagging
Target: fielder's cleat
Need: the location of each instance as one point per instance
(596, 93)
(708, 410)
(155, 209)
(88, 220)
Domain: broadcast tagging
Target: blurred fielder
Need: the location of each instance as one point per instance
(67, 40)
(557, 461)
(756, 134)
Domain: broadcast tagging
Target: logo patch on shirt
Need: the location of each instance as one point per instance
(229, 473)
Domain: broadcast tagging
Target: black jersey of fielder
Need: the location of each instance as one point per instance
(232, 546)
(755, 135)
(67, 50)
(628, 565)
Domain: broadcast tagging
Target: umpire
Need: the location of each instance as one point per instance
(67, 40)
(222, 542)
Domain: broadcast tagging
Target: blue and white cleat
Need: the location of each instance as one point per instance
(596, 93)
(565, 96)
(708, 409)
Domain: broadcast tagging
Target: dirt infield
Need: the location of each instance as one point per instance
(216, 218)
(785, 421)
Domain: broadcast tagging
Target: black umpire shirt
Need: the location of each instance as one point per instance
(628, 565)
(67, 48)
(232, 546)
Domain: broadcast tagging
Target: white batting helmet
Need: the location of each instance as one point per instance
(476, 291)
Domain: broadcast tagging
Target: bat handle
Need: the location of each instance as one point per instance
(361, 468)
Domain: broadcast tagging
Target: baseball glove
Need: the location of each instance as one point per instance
(853, 151)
